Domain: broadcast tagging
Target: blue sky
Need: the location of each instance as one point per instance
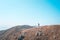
(29, 12)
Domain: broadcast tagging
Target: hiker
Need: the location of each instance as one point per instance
(38, 24)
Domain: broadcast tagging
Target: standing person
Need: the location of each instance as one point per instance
(38, 24)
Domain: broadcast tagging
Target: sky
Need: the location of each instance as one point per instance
(29, 12)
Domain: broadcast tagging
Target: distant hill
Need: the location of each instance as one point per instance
(5, 34)
(2, 32)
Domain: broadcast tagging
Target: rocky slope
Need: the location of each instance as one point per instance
(8, 34)
(49, 32)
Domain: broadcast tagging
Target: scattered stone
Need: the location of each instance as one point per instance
(21, 37)
(39, 33)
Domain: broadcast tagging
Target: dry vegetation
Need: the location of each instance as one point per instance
(46, 33)
(51, 32)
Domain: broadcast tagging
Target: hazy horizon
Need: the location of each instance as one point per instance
(29, 12)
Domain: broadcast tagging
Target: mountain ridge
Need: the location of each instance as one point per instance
(32, 33)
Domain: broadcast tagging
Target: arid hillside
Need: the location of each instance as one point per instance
(12, 33)
(49, 32)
